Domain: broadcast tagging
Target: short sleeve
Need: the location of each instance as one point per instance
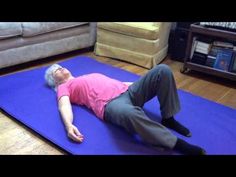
(62, 90)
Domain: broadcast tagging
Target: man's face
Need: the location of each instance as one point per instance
(61, 75)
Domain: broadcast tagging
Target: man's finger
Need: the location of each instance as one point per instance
(77, 132)
(75, 138)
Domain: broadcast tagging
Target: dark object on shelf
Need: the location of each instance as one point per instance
(199, 58)
(185, 25)
(178, 43)
(233, 64)
(198, 30)
(226, 26)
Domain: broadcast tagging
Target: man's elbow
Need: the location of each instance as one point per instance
(62, 107)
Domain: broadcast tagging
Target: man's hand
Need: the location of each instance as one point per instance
(74, 134)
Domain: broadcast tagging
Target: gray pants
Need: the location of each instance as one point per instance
(126, 109)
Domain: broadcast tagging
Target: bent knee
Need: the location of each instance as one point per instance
(165, 69)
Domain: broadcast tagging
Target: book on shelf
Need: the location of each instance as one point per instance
(223, 44)
(203, 44)
(211, 57)
(210, 61)
(200, 47)
(232, 67)
(202, 50)
(214, 50)
(199, 58)
(194, 44)
(223, 59)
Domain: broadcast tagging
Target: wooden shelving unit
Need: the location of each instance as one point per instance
(196, 30)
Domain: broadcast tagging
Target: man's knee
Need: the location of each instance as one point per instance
(164, 69)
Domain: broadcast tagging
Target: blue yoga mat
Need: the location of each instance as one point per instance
(26, 97)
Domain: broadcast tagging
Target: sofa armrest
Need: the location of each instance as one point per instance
(93, 32)
(164, 33)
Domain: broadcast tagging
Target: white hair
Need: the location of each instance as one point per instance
(49, 75)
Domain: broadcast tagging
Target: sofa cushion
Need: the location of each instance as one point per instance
(131, 43)
(37, 28)
(146, 30)
(10, 29)
(19, 41)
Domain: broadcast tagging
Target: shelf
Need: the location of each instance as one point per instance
(213, 32)
(196, 30)
(212, 71)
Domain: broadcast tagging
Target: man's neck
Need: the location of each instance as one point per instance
(71, 77)
(67, 79)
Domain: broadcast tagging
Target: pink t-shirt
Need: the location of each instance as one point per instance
(92, 90)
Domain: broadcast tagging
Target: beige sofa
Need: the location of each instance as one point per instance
(141, 43)
(28, 41)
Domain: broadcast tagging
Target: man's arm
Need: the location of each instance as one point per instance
(67, 116)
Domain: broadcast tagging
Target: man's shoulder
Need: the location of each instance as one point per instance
(62, 86)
